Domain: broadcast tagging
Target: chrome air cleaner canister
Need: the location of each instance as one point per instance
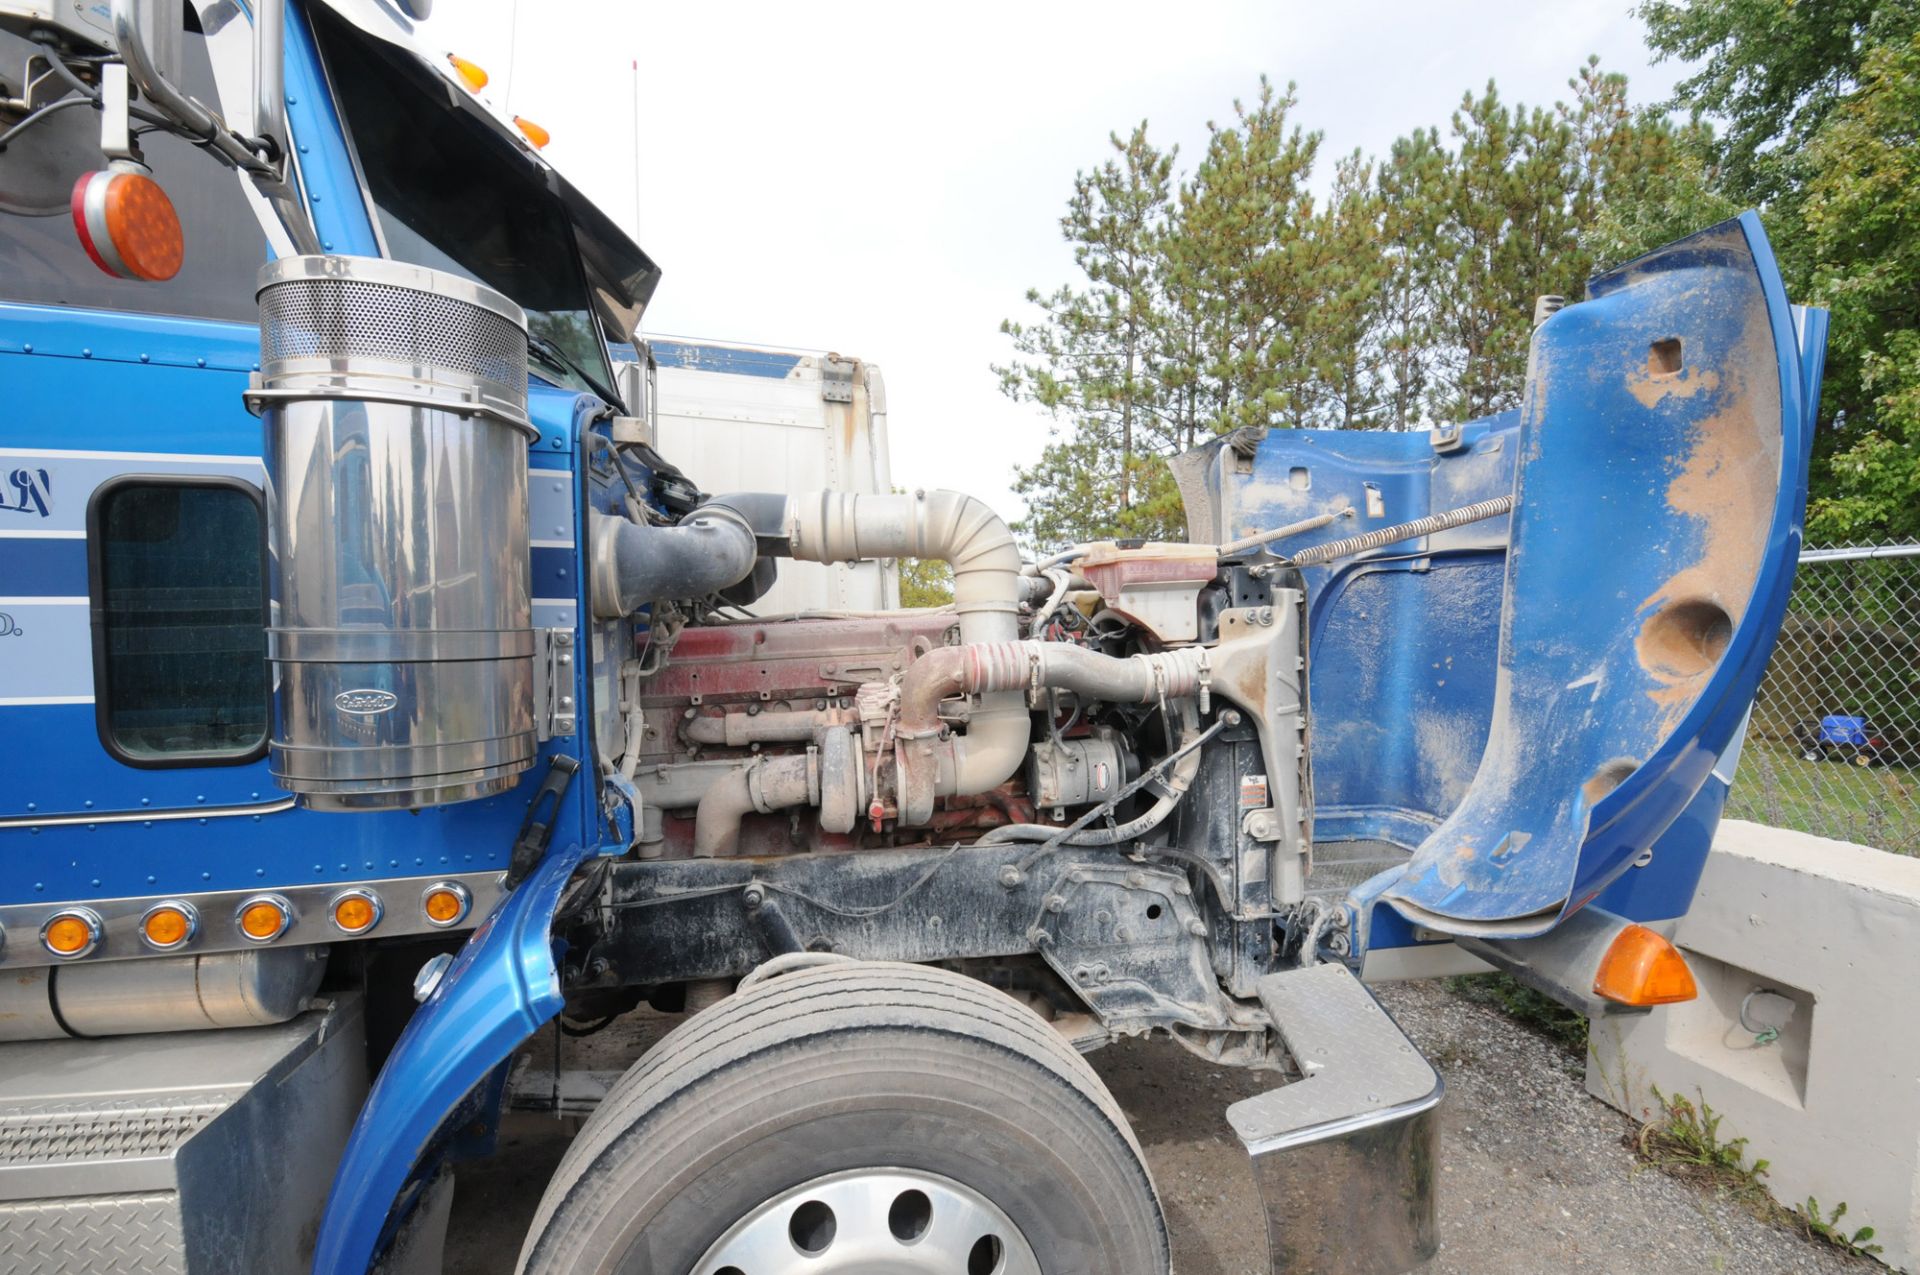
(394, 400)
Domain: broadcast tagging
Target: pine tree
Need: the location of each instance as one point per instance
(1244, 264)
(1350, 270)
(1086, 361)
(1411, 188)
(1405, 297)
(1507, 235)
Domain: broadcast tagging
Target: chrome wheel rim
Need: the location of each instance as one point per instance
(873, 1222)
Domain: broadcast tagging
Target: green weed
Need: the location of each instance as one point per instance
(1827, 1227)
(1685, 1141)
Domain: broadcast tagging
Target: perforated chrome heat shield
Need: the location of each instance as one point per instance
(395, 404)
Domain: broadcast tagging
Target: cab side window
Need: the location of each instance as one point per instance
(177, 570)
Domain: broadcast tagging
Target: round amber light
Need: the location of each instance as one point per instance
(445, 905)
(71, 934)
(127, 225)
(167, 926)
(263, 919)
(144, 227)
(356, 912)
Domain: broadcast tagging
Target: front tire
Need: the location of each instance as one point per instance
(856, 1117)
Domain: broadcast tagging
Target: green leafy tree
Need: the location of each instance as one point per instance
(1817, 112)
(925, 582)
(1775, 72)
(1862, 212)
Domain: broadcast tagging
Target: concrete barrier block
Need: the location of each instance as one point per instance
(1816, 944)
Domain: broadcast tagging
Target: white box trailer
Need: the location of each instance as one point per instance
(754, 418)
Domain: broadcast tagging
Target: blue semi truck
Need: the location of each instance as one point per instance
(375, 694)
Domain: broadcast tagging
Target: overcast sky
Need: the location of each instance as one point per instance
(886, 180)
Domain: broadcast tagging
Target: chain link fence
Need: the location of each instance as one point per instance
(1834, 744)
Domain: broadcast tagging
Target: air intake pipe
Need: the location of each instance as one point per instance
(832, 526)
(634, 563)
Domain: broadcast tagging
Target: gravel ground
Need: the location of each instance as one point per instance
(1534, 1175)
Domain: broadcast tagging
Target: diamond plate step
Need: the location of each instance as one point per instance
(1355, 1062)
(146, 1153)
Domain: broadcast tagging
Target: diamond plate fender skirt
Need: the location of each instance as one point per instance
(501, 988)
(1345, 1157)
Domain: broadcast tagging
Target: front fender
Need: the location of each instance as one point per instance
(502, 987)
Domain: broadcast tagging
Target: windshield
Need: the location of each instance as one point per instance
(450, 196)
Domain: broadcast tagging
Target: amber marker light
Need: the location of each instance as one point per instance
(356, 911)
(535, 134)
(169, 925)
(263, 918)
(71, 933)
(473, 75)
(446, 904)
(1642, 968)
(127, 225)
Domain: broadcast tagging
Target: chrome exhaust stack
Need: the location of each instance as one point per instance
(394, 400)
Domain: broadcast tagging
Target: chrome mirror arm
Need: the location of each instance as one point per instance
(271, 171)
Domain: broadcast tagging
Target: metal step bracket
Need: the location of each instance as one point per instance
(1346, 1156)
(553, 706)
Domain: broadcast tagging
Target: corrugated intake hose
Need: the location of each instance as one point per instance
(636, 563)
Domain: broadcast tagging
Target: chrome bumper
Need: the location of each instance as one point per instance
(1345, 1157)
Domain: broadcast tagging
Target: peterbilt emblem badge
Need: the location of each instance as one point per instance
(365, 703)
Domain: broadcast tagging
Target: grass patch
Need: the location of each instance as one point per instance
(1685, 1141)
(1875, 806)
(1536, 1011)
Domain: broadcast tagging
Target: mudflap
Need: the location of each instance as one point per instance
(502, 987)
(1346, 1156)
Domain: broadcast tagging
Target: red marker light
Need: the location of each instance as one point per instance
(128, 225)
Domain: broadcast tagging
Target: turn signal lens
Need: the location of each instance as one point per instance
(473, 75)
(72, 933)
(169, 925)
(264, 918)
(1642, 968)
(446, 904)
(127, 225)
(356, 911)
(535, 134)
